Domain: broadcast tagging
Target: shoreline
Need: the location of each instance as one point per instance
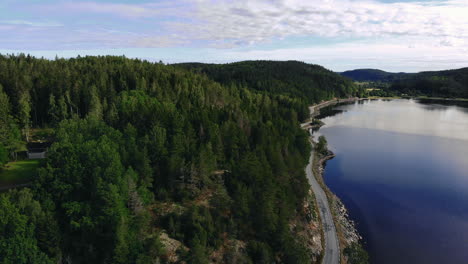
(438, 98)
(347, 232)
(415, 98)
(344, 228)
(319, 166)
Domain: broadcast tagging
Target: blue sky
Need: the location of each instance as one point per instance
(338, 34)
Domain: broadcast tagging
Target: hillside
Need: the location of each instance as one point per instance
(153, 162)
(373, 75)
(309, 82)
(448, 83)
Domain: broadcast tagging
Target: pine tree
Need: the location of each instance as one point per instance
(54, 111)
(24, 112)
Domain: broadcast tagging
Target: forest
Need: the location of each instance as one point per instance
(374, 75)
(445, 84)
(210, 157)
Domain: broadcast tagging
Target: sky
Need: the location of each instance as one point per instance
(392, 35)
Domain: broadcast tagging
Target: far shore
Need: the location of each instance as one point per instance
(442, 98)
(415, 98)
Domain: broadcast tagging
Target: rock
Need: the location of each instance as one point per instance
(171, 246)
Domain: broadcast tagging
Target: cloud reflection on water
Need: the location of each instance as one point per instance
(405, 116)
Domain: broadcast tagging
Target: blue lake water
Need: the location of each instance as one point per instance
(401, 169)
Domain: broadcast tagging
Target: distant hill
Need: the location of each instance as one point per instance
(310, 82)
(373, 75)
(448, 83)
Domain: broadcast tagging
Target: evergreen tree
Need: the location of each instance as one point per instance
(24, 113)
(54, 111)
(142, 148)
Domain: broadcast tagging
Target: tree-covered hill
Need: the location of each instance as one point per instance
(373, 75)
(449, 83)
(148, 153)
(291, 78)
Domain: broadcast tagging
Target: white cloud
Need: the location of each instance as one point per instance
(157, 42)
(431, 33)
(30, 23)
(147, 10)
(245, 21)
(387, 54)
(226, 24)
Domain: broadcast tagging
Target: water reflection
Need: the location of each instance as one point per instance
(404, 116)
(402, 171)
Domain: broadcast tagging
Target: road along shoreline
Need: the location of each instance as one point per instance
(339, 231)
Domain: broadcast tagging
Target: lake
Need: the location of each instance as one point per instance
(401, 169)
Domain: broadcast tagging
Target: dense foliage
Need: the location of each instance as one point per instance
(10, 135)
(448, 84)
(452, 84)
(134, 138)
(322, 145)
(373, 75)
(27, 232)
(356, 254)
(307, 83)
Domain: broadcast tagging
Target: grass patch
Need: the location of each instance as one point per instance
(18, 172)
(41, 134)
(383, 97)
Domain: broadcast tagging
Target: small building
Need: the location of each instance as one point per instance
(37, 150)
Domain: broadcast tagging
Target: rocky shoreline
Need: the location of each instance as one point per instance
(346, 228)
